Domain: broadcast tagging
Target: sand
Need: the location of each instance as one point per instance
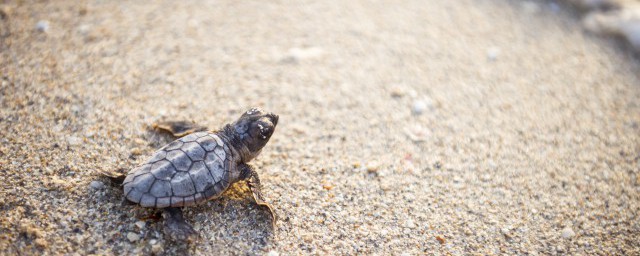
(406, 127)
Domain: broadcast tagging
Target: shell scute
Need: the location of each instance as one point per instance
(179, 159)
(182, 185)
(194, 151)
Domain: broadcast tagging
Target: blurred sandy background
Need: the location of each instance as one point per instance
(406, 127)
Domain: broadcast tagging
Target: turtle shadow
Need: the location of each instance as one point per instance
(232, 219)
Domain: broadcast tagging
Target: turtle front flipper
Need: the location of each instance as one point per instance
(178, 128)
(253, 181)
(257, 196)
(176, 227)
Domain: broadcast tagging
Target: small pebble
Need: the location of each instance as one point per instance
(42, 26)
(157, 248)
(273, 253)
(397, 91)
(140, 224)
(297, 54)
(419, 107)
(308, 238)
(306, 53)
(84, 29)
(133, 237)
(96, 184)
(568, 232)
(41, 242)
(422, 104)
(327, 187)
(493, 53)
(373, 166)
(409, 224)
(136, 151)
(74, 141)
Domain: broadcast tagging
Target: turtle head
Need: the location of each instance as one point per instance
(253, 130)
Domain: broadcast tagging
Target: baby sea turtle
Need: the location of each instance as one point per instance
(199, 166)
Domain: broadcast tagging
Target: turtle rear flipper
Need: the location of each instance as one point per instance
(176, 227)
(178, 128)
(116, 177)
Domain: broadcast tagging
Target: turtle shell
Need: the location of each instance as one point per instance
(187, 171)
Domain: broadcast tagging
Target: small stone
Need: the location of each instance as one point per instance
(398, 92)
(372, 167)
(153, 241)
(306, 53)
(297, 54)
(409, 224)
(96, 184)
(440, 239)
(157, 248)
(136, 151)
(42, 26)
(133, 237)
(568, 232)
(493, 53)
(40, 242)
(74, 141)
(139, 141)
(308, 238)
(422, 104)
(419, 107)
(140, 224)
(273, 253)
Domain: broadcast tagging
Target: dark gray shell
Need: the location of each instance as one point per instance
(187, 171)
